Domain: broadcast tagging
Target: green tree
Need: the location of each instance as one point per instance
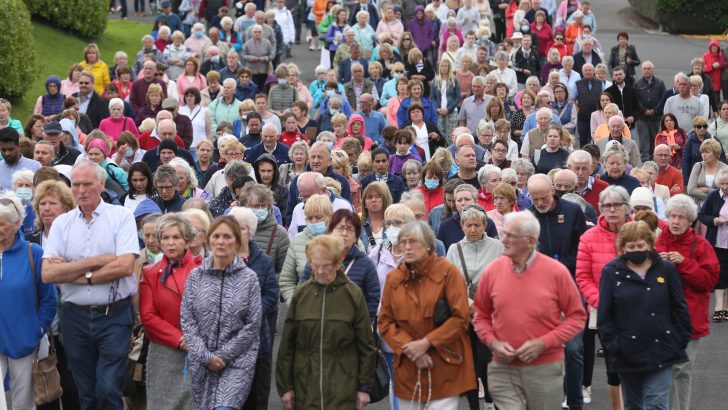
(17, 48)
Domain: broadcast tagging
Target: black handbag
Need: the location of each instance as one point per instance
(380, 387)
(442, 312)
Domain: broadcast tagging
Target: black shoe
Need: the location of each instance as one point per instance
(725, 314)
(718, 316)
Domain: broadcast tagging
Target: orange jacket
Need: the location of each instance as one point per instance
(319, 9)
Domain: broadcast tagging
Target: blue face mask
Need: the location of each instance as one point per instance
(199, 34)
(25, 194)
(397, 76)
(129, 153)
(215, 59)
(330, 144)
(318, 228)
(330, 93)
(333, 111)
(432, 184)
(282, 81)
(260, 214)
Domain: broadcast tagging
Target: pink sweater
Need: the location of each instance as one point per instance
(516, 307)
(113, 128)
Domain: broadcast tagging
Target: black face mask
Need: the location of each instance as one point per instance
(561, 193)
(637, 257)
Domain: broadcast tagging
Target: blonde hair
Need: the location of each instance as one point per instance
(318, 204)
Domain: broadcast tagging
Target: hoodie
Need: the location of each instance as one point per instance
(367, 141)
(715, 55)
(52, 104)
(423, 31)
(280, 193)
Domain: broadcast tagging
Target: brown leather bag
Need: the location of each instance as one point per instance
(46, 379)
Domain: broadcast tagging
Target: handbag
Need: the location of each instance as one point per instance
(380, 388)
(46, 379)
(135, 372)
(442, 312)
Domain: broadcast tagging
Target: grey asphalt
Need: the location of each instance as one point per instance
(670, 54)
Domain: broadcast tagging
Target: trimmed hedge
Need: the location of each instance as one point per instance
(686, 16)
(86, 18)
(17, 48)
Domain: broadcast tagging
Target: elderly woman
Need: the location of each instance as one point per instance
(22, 181)
(471, 255)
(51, 198)
(340, 165)
(692, 149)
(696, 90)
(175, 55)
(715, 218)
(552, 64)
(499, 158)
(221, 314)
(271, 237)
(198, 115)
(596, 249)
(450, 231)
(699, 271)
(318, 211)
(424, 342)
(188, 186)
(504, 198)
(528, 99)
(375, 200)
(344, 346)
(117, 123)
(702, 180)
(154, 104)
(564, 108)
(200, 221)
(643, 337)
(412, 172)
(28, 307)
(160, 298)
(488, 178)
(615, 161)
(128, 151)
(257, 260)
(97, 150)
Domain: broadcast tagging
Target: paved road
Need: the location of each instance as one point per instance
(670, 54)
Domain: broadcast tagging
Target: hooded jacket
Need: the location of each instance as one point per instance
(367, 141)
(699, 274)
(50, 104)
(280, 192)
(278, 243)
(710, 59)
(597, 247)
(263, 266)
(423, 31)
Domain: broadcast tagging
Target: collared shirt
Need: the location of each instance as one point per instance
(270, 151)
(298, 219)
(83, 103)
(473, 111)
(529, 262)
(112, 230)
(587, 188)
(374, 123)
(7, 171)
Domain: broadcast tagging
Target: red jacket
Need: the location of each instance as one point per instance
(485, 199)
(159, 303)
(432, 198)
(147, 142)
(289, 138)
(592, 197)
(710, 58)
(597, 247)
(699, 272)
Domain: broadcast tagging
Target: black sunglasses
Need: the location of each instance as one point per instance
(701, 126)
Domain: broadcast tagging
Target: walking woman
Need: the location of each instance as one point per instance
(714, 215)
(160, 297)
(221, 313)
(446, 97)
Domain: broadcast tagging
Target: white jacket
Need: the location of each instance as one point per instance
(284, 18)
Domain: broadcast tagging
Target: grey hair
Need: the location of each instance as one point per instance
(201, 215)
(466, 187)
(501, 55)
(616, 118)
(473, 213)
(260, 191)
(722, 173)
(684, 203)
(484, 125)
(166, 172)
(316, 178)
(486, 170)
(22, 175)
(612, 152)
(508, 175)
(191, 176)
(413, 195)
(576, 199)
(527, 223)
(147, 37)
(235, 169)
(572, 175)
(100, 173)
(319, 68)
(116, 102)
(421, 231)
(320, 144)
(336, 99)
(682, 75)
(544, 110)
(245, 216)
(579, 156)
(614, 191)
(469, 136)
(478, 79)
(170, 221)
(533, 79)
(230, 82)
(356, 65)
(523, 165)
(150, 219)
(269, 126)
(411, 165)
(567, 59)
(13, 214)
(654, 166)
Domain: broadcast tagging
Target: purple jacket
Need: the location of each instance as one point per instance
(397, 161)
(422, 34)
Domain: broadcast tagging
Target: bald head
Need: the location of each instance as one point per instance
(565, 181)
(163, 115)
(166, 129)
(542, 193)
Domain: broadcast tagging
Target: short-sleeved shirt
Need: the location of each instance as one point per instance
(111, 231)
(472, 112)
(7, 171)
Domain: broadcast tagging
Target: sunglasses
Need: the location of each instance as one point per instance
(8, 201)
(701, 126)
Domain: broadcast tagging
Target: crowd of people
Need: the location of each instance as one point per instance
(450, 160)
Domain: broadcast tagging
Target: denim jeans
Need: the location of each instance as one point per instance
(97, 348)
(393, 401)
(574, 374)
(647, 390)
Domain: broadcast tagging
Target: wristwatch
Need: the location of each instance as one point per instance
(89, 276)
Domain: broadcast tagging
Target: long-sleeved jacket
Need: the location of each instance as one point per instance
(715, 72)
(363, 273)
(699, 273)
(293, 190)
(222, 111)
(263, 266)
(597, 247)
(278, 243)
(327, 353)
(532, 63)
(649, 94)
(691, 153)
(561, 230)
(697, 181)
(159, 302)
(631, 53)
(626, 99)
(221, 314)
(253, 49)
(22, 323)
(407, 314)
(644, 324)
(477, 255)
(423, 33)
(452, 94)
(294, 265)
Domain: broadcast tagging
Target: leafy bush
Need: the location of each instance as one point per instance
(86, 18)
(686, 16)
(17, 48)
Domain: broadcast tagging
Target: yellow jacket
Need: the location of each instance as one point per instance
(101, 75)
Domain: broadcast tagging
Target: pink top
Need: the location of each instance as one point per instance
(392, 108)
(183, 84)
(500, 313)
(68, 88)
(113, 128)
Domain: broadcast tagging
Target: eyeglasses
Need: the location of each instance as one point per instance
(8, 201)
(159, 74)
(235, 154)
(701, 127)
(318, 268)
(393, 222)
(615, 205)
(342, 229)
(505, 235)
(500, 151)
(165, 188)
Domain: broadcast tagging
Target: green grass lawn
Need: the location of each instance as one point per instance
(58, 50)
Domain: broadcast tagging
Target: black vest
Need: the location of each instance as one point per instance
(588, 100)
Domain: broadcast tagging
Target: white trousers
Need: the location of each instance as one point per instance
(21, 381)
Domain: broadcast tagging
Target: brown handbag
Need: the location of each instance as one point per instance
(46, 379)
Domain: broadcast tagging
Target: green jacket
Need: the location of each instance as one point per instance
(323, 26)
(326, 367)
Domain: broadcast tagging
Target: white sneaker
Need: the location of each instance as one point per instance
(481, 390)
(489, 406)
(586, 392)
(564, 405)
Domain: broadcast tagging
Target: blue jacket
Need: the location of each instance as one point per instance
(345, 68)
(430, 113)
(453, 95)
(21, 323)
(691, 154)
(293, 191)
(627, 182)
(644, 324)
(280, 153)
(561, 229)
(395, 184)
(246, 92)
(262, 265)
(451, 232)
(363, 273)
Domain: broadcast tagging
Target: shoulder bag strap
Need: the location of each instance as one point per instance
(370, 236)
(462, 262)
(35, 280)
(272, 237)
(692, 248)
(125, 120)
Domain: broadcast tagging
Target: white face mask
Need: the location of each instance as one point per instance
(392, 234)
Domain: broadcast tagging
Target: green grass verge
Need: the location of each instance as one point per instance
(58, 50)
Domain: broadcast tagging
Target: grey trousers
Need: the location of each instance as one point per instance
(21, 381)
(526, 387)
(646, 132)
(682, 379)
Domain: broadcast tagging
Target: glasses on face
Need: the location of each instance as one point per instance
(701, 127)
(235, 154)
(506, 235)
(393, 222)
(345, 229)
(8, 201)
(165, 188)
(499, 151)
(612, 206)
(159, 74)
(674, 217)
